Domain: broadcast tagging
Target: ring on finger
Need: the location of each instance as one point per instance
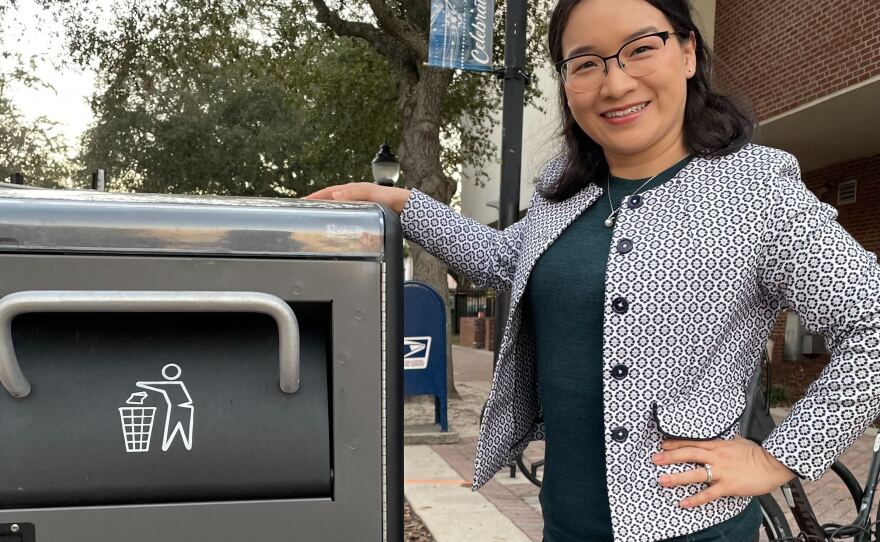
(709, 476)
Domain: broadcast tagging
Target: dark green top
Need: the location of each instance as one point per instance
(564, 301)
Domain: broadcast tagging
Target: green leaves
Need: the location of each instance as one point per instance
(255, 97)
(34, 148)
(207, 96)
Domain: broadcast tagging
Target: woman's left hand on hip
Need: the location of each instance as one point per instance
(739, 468)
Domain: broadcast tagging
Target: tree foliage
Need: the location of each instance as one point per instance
(33, 148)
(206, 97)
(253, 97)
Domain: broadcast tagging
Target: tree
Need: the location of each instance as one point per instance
(191, 101)
(202, 95)
(31, 147)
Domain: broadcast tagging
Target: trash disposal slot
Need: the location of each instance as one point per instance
(156, 408)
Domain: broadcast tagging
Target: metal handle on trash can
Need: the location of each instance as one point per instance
(24, 302)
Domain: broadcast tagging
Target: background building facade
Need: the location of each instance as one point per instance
(811, 72)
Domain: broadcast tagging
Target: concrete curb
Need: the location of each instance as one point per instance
(428, 434)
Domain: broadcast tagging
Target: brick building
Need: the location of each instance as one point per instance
(811, 72)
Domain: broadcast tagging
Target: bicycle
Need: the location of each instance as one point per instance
(756, 424)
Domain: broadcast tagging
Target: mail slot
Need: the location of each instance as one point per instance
(205, 368)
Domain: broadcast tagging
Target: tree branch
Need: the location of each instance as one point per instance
(403, 31)
(343, 27)
(418, 13)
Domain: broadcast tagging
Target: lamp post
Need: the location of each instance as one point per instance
(515, 80)
(386, 168)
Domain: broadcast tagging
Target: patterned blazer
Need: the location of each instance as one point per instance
(699, 267)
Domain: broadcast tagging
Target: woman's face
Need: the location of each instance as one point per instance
(602, 27)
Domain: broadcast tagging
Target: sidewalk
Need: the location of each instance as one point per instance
(437, 477)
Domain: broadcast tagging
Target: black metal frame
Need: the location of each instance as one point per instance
(469, 302)
(664, 35)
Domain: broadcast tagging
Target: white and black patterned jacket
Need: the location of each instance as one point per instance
(715, 253)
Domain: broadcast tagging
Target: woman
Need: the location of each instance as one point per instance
(645, 278)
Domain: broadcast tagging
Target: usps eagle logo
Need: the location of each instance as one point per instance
(415, 352)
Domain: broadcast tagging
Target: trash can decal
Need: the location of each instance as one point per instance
(137, 423)
(138, 420)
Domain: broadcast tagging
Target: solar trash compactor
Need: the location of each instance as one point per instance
(185, 369)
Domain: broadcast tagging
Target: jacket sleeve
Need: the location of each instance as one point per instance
(486, 256)
(812, 265)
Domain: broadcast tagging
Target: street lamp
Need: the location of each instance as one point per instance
(386, 168)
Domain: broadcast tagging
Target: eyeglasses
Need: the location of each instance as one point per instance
(639, 57)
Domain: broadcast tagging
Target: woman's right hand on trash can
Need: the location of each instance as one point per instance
(393, 197)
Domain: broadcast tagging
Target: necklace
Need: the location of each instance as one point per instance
(610, 220)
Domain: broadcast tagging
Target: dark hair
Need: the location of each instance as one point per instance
(714, 125)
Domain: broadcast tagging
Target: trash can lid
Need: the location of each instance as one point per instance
(110, 222)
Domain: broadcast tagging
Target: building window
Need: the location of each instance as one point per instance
(846, 192)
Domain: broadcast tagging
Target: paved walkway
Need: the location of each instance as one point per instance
(438, 476)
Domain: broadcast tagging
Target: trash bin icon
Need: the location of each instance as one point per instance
(137, 423)
(278, 322)
(137, 426)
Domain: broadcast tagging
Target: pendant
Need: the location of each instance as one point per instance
(609, 222)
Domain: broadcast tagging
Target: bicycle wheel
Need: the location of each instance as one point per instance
(773, 519)
(531, 465)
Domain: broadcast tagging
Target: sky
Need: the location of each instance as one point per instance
(31, 32)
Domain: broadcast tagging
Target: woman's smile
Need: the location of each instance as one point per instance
(625, 114)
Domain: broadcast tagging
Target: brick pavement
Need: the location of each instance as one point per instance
(514, 500)
(828, 496)
(517, 499)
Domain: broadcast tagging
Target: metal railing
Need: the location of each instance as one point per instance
(470, 302)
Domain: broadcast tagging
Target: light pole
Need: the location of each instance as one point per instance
(515, 80)
(386, 168)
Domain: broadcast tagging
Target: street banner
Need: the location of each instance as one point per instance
(461, 34)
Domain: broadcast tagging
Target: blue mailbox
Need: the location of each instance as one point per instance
(424, 346)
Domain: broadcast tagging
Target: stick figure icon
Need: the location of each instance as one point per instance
(180, 411)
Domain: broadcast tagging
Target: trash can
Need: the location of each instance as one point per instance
(180, 369)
